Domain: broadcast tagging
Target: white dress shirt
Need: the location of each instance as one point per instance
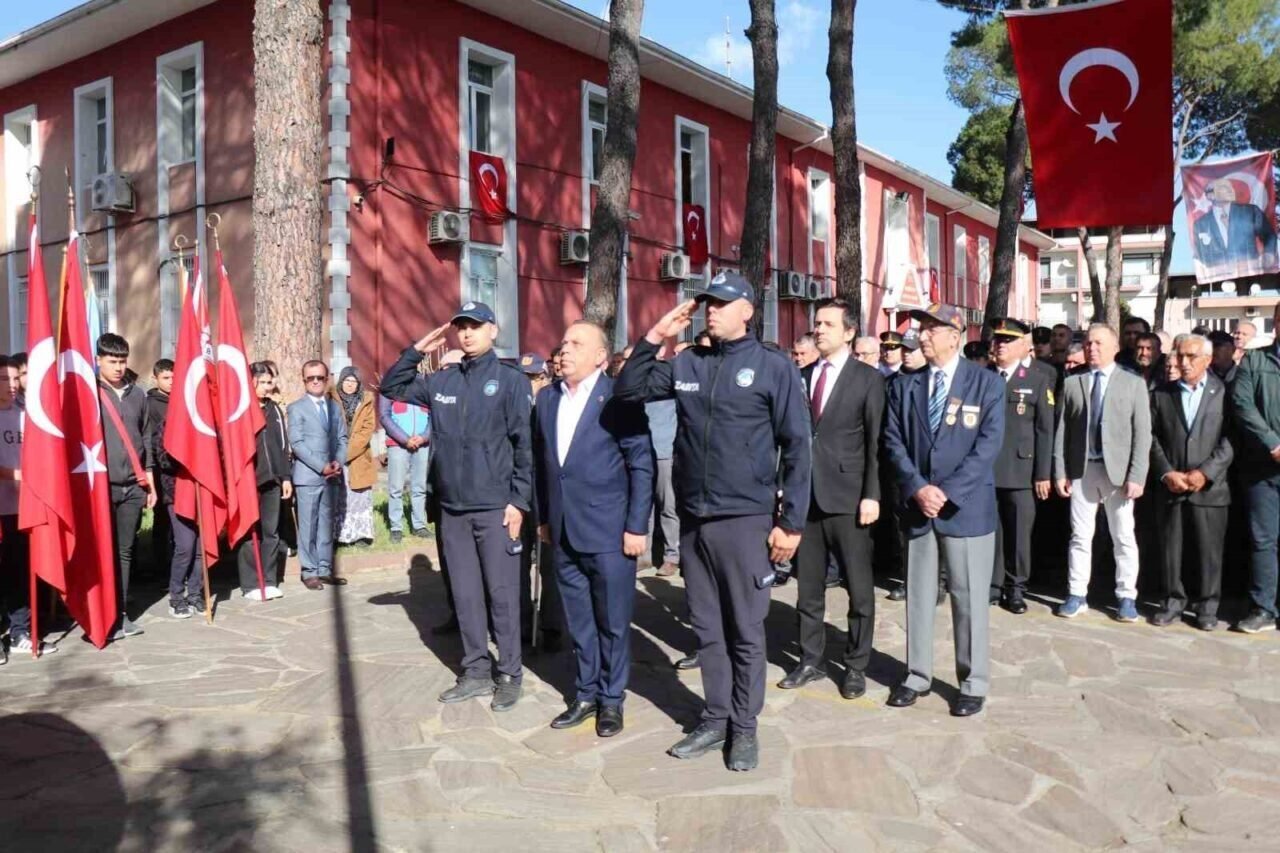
(837, 363)
(948, 372)
(1006, 373)
(572, 404)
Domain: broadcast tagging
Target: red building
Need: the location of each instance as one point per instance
(162, 94)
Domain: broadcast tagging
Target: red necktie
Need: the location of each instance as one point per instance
(815, 404)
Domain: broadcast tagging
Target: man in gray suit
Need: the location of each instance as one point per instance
(1101, 454)
(318, 433)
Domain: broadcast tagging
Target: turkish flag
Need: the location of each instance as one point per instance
(77, 456)
(189, 435)
(695, 233)
(489, 187)
(239, 415)
(1097, 84)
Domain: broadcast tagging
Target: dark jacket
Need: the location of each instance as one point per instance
(161, 462)
(959, 459)
(1205, 446)
(1027, 452)
(846, 439)
(136, 418)
(1255, 398)
(482, 455)
(743, 427)
(272, 464)
(605, 487)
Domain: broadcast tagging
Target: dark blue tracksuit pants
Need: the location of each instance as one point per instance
(727, 578)
(475, 549)
(598, 592)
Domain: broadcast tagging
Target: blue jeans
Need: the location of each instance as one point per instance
(1264, 528)
(414, 463)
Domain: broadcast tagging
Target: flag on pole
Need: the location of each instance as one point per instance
(66, 499)
(1097, 84)
(239, 415)
(189, 436)
(489, 186)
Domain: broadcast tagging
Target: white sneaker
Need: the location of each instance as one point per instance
(274, 592)
(22, 643)
(254, 595)
(181, 611)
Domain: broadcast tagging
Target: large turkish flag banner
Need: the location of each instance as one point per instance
(489, 187)
(1097, 85)
(695, 233)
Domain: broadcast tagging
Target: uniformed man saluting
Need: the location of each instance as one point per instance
(482, 473)
(1025, 464)
(743, 430)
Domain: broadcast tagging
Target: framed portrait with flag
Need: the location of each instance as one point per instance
(1231, 217)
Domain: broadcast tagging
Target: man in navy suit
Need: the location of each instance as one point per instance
(595, 487)
(318, 434)
(943, 431)
(1231, 233)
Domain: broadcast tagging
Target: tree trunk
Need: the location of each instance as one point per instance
(1162, 286)
(1115, 270)
(844, 142)
(1011, 196)
(609, 220)
(763, 34)
(1091, 269)
(288, 197)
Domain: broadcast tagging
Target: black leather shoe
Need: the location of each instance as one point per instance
(1165, 617)
(967, 706)
(698, 742)
(467, 688)
(744, 751)
(781, 578)
(802, 675)
(898, 593)
(576, 714)
(1014, 604)
(854, 684)
(608, 721)
(1207, 623)
(832, 580)
(903, 696)
(506, 693)
(689, 662)
(330, 580)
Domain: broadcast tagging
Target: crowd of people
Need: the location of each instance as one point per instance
(955, 469)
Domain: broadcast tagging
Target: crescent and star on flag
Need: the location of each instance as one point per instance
(1099, 57)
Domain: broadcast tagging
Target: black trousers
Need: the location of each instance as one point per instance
(839, 537)
(269, 547)
(476, 547)
(15, 576)
(186, 580)
(127, 503)
(727, 577)
(1016, 517)
(1197, 532)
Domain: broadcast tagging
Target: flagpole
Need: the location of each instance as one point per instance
(204, 562)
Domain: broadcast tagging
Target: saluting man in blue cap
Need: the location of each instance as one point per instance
(743, 429)
(482, 472)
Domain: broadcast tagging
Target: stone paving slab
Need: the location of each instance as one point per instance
(310, 724)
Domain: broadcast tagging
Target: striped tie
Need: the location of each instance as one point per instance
(937, 401)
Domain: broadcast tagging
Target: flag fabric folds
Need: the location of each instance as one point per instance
(239, 415)
(694, 217)
(1231, 217)
(1097, 84)
(489, 186)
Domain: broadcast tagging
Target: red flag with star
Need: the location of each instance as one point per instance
(489, 186)
(695, 233)
(239, 415)
(1097, 85)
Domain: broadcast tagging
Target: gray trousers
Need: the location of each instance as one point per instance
(968, 563)
(315, 528)
(664, 513)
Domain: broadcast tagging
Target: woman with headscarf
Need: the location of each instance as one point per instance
(353, 511)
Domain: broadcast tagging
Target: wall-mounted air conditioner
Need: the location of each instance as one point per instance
(447, 226)
(574, 247)
(674, 267)
(112, 193)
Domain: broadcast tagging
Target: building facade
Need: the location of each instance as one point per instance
(161, 94)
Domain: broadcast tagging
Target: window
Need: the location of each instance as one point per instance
(960, 267)
(984, 262)
(933, 243)
(597, 121)
(819, 206)
(19, 157)
(188, 95)
(18, 338)
(94, 138)
(769, 326)
(1134, 268)
(484, 285)
(171, 302)
(480, 97)
(688, 290)
(100, 277)
(178, 90)
(1021, 279)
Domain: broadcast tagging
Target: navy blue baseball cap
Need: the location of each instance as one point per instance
(726, 287)
(477, 311)
(531, 364)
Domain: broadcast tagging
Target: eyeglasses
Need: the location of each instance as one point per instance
(315, 378)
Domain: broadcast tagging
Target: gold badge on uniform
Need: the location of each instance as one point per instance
(970, 416)
(1022, 403)
(1048, 393)
(953, 405)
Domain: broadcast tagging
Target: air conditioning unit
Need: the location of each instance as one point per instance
(813, 288)
(112, 193)
(675, 266)
(447, 226)
(1251, 312)
(574, 247)
(790, 285)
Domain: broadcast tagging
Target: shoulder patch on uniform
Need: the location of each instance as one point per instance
(491, 387)
(1048, 395)
(745, 377)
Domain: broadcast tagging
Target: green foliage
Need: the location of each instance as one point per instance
(977, 155)
(979, 66)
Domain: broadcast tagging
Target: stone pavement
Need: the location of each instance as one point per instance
(310, 724)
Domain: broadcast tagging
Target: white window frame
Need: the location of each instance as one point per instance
(1021, 281)
(700, 190)
(474, 89)
(168, 66)
(502, 142)
(19, 293)
(105, 318)
(984, 265)
(171, 302)
(828, 205)
(591, 92)
(19, 157)
(933, 246)
(959, 265)
(85, 169)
